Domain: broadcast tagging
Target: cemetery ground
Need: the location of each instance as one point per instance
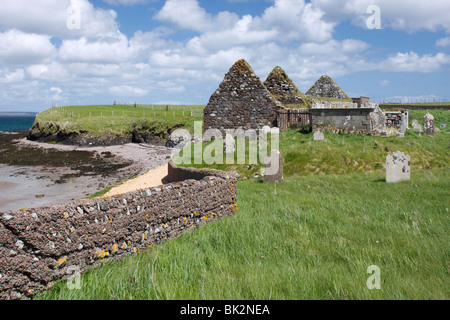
(313, 236)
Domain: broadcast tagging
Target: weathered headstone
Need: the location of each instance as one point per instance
(275, 130)
(398, 167)
(318, 136)
(230, 145)
(274, 167)
(416, 126)
(403, 123)
(378, 122)
(428, 124)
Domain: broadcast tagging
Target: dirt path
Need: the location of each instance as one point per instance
(151, 179)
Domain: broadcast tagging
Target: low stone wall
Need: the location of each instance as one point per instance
(342, 120)
(39, 246)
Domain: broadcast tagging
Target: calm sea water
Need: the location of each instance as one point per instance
(16, 123)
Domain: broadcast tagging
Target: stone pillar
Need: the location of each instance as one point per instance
(398, 167)
(428, 124)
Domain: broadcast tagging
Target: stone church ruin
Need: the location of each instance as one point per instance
(243, 102)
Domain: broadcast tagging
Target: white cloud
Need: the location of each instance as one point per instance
(412, 62)
(19, 48)
(7, 77)
(128, 91)
(126, 2)
(405, 15)
(385, 83)
(49, 17)
(443, 42)
(53, 71)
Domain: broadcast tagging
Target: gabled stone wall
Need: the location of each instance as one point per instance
(241, 102)
(282, 88)
(325, 87)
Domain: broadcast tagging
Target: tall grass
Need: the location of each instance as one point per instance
(306, 238)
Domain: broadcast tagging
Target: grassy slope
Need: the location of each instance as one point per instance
(100, 120)
(311, 237)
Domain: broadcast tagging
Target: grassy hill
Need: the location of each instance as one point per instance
(114, 121)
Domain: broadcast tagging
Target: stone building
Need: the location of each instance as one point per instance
(241, 102)
(282, 88)
(325, 87)
(342, 117)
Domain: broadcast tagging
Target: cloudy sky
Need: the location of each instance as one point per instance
(78, 52)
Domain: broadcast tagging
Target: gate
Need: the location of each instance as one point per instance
(294, 119)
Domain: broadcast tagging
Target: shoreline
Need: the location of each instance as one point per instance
(32, 186)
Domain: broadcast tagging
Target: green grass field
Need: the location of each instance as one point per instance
(120, 120)
(314, 236)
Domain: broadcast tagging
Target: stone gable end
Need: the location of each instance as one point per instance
(241, 101)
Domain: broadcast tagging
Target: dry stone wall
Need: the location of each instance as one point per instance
(241, 102)
(38, 246)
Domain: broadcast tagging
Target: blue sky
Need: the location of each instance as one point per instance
(79, 52)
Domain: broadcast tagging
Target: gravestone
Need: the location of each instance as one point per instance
(403, 123)
(275, 130)
(378, 122)
(274, 167)
(416, 126)
(230, 145)
(398, 167)
(428, 124)
(319, 136)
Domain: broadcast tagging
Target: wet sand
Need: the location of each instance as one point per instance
(36, 186)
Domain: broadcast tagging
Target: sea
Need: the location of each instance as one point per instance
(11, 122)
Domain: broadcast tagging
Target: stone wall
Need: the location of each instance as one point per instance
(38, 246)
(342, 120)
(282, 88)
(325, 87)
(241, 102)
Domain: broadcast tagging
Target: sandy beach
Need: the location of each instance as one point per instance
(36, 186)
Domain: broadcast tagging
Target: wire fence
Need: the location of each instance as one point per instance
(413, 101)
(136, 111)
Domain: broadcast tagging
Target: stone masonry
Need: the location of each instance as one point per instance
(325, 87)
(282, 88)
(241, 102)
(39, 246)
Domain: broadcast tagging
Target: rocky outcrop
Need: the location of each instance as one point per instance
(325, 87)
(241, 101)
(282, 88)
